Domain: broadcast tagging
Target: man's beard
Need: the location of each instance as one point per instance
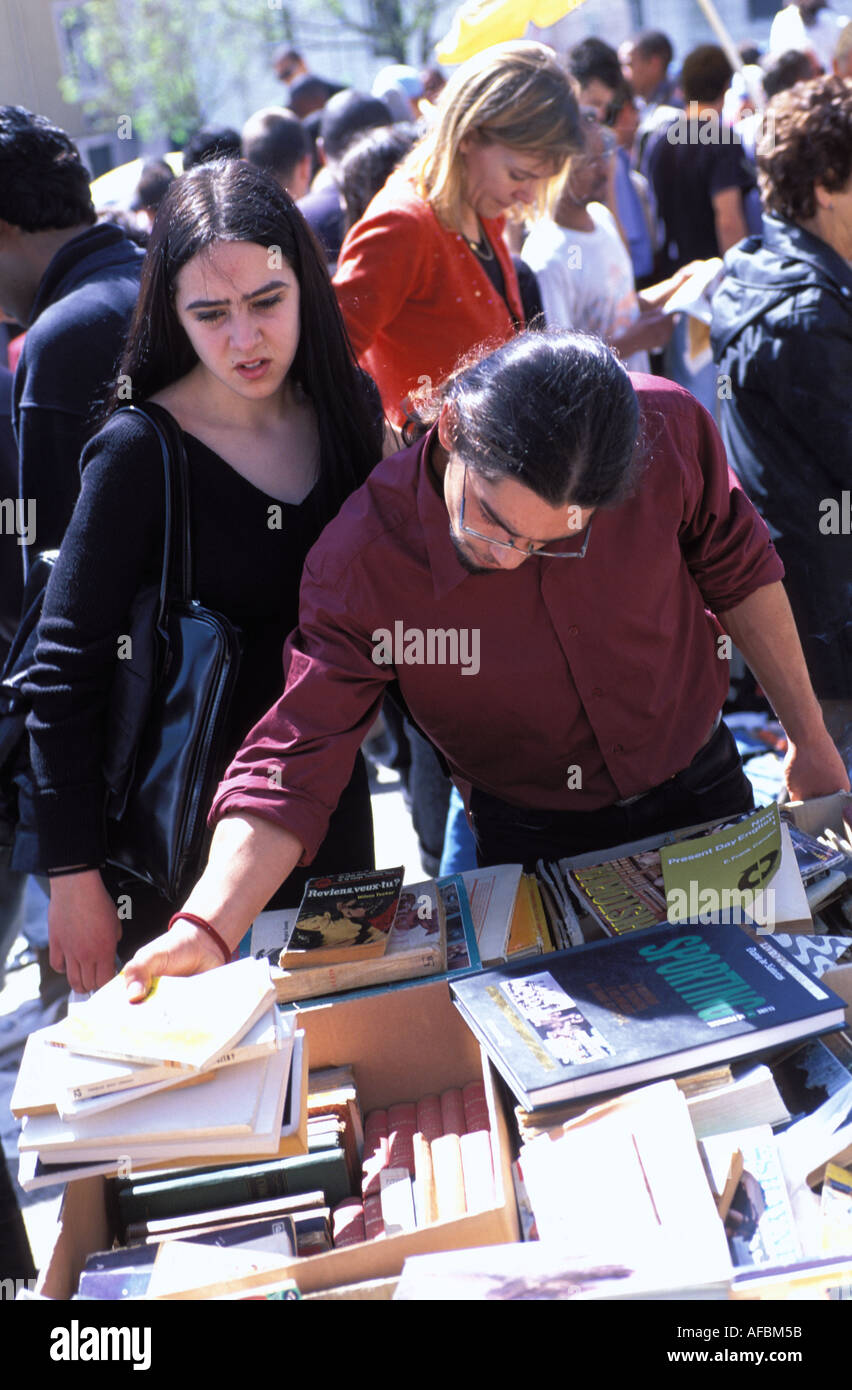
(464, 559)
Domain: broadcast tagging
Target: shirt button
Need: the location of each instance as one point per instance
(618, 748)
(572, 631)
(597, 690)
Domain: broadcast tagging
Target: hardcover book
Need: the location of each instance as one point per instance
(612, 1014)
(344, 917)
(152, 1198)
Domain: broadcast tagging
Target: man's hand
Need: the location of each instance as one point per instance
(185, 950)
(814, 770)
(83, 929)
(762, 627)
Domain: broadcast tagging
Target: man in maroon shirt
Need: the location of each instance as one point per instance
(543, 591)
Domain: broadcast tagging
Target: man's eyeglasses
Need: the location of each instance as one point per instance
(564, 549)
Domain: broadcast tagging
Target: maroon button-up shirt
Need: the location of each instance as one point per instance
(562, 684)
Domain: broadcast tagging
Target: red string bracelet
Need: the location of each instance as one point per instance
(205, 926)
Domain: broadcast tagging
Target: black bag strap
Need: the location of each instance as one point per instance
(176, 580)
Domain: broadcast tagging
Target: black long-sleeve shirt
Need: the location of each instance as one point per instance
(248, 552)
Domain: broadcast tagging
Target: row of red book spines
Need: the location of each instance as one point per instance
(389, 1134)
(356, 1225)
(453, 1112)
(357, 1220)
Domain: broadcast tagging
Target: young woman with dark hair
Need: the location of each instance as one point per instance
(237, 335)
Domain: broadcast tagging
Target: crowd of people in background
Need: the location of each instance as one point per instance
(672, 205)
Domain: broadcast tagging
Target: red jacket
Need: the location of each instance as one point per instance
(414, 296)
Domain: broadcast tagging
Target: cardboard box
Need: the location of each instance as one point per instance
(402, 1045)
(821, 813)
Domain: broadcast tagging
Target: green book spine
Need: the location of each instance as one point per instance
(208, 1190)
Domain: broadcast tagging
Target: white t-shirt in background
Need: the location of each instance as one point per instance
(586, 278)
(790, 31)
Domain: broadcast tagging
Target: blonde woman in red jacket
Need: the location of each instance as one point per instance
(426, 276)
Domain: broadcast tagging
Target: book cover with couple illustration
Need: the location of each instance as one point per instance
(344, 917)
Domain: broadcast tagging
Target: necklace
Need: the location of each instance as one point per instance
(482, 247)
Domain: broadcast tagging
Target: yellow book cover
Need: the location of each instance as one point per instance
(183, 1021)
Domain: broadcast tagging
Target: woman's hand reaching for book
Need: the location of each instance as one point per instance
(83, 929)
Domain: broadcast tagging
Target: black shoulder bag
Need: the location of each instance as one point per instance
(168, 711)
(159, 797)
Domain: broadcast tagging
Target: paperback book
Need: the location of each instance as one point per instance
(813, 857)
(53, 1078)
(759, 1223)
(739, 869)
(344, 917)
(416, 947)
(183, 1021)
(462, 948)
(492, 894)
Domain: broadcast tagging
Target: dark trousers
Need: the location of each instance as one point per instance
(429, 790)
(16, 1261)
(712, 787)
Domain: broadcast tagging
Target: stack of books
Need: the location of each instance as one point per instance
(216, 1231)
(204, 1070)
(744, 1147)
(745, 870)
(458, 923)
(353, 931)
